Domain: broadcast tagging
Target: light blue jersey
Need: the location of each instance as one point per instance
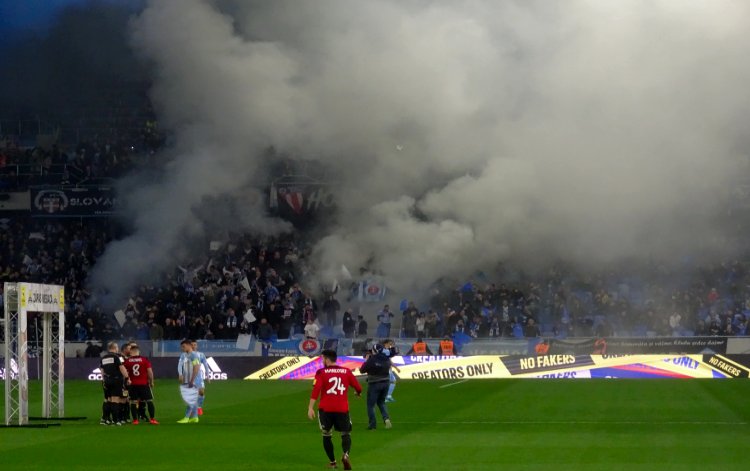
(185, 369)
(205, 369)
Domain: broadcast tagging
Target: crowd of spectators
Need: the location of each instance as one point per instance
(20, 168)
(91, 160)
(239, 285)
(258, 286)
(642, 300)
(249, 285)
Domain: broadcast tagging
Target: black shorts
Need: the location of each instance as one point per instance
(141, 393)
(338, 421)
(114, 389)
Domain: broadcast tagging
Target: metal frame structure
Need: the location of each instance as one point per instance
(18, 300)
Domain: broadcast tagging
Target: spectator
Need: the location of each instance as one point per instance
(311, 330)
(92, 350)
(232, 324)
(348, 324)
(221, 332)
(129, 329)
(431, 325)
(143, 331)
(420, 324)
(714, 329)
(674, 323)
(171, 331)
(361, 327)
(265, 334)
(156, 332)
(409, 319)
(80, 333)
(604, 329)
(331, 308)
(384, 318)
(531, 329)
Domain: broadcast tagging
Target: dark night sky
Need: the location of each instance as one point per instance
(79, 46)
(29, 15)
(21, 17)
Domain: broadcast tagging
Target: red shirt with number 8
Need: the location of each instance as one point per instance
(331, 385)
(138, 370)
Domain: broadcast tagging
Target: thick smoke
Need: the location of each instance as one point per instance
(462, 133)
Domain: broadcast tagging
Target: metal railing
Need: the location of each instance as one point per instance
(21, 176)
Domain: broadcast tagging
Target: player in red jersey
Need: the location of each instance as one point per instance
(331, 385)
(142, 380)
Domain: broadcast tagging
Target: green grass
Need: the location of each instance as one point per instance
(478, 425)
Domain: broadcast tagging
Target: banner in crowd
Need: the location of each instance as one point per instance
(41, 298)
(248, 346)
(15, 201)
(646, 345)
(300, 201)
(370, 290)
(542, 366)
(73, 202)
(300, 197)
(500, 346)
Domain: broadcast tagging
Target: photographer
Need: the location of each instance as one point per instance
(377, 367)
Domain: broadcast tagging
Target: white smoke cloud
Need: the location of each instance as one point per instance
(463, 133)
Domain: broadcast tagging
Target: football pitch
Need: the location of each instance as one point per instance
(437, 425)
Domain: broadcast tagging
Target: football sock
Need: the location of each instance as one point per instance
(151, 409)
(134, 410)
(346, 442)
(188, 410)
(105, 410)
(200, 400)
(328, 447)
(391, 388)
(142, 410)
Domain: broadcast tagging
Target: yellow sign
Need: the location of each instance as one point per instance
(23, 296)
(280, 368)
(483, 366)
(41, 298)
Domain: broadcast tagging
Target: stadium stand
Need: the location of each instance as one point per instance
(209, 299)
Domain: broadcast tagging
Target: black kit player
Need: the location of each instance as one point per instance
(141, 382)
(114, 379)
(331, 385)
(124, 354)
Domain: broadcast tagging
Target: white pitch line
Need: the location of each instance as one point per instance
(576, 422)
(553, 422)
(452, 384)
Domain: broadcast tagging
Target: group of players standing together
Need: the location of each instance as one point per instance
(331, 386)
(128, 381)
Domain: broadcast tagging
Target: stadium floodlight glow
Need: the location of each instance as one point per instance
(49, 300)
